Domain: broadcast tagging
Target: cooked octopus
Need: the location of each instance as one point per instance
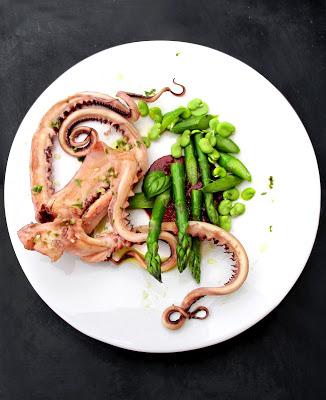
(101, 187)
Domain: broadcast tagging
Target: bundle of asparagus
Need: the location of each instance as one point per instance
(206, 145)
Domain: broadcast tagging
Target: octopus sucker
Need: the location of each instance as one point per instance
(68, 220)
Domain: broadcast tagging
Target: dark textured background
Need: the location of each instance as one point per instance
(283, 356)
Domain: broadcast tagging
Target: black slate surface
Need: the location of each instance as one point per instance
(282, 357)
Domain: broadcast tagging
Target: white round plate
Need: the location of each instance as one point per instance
(123, 305)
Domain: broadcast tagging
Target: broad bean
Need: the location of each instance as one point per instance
(185, 139)
(231, 194)
(225, 222)
(224, 207)
(176, 150)
(205, 146)
(219, 172)
(155, 114)
(225, 129)
(248, 193)
(237, 209)
(142, 108)
(155, 131)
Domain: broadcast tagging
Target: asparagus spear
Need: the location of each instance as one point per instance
(206, 178)
(184, 240)
(153, 259)
(191, 164)
(196, 204)
(194, 262)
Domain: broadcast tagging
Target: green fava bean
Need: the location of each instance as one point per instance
(213, 123)
(248, 193)
(176, 150)
(211, 137)
(219, 172)
(225, 129)
(205, 146)
(235, 166)
(155, 131)
(202, 110)
(231, 194)
(155, 114)
(225, 222)
(214, 155)
(185, 139)
(237, 209)
(142, 108)
(186, 114)
(224, 207)
(194, 104)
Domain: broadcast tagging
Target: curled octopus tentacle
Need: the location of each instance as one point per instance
(82, 147)
(204, 231)
(232, 245)
(67, 132)
(155, 96)
(130, 111)
(52, 122)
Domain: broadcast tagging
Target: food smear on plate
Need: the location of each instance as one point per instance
(192, 193)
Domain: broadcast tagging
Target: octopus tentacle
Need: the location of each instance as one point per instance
(53, 238)
(207, 231)
(42, 142)
(154, 97)
(128, 98)
(81, 148)
(104, 115)
(167, 264)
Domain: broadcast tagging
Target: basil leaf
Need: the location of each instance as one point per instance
(140, 201)
(155, 183)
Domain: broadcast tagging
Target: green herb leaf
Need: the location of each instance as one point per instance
(122, 144)
(78, 182)
(139, 200)
(155, 183)
(271, 182)
(37, 188)
(79, 204)
(150, 92)
(112, 173)
(55, 124)
(36, 238)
